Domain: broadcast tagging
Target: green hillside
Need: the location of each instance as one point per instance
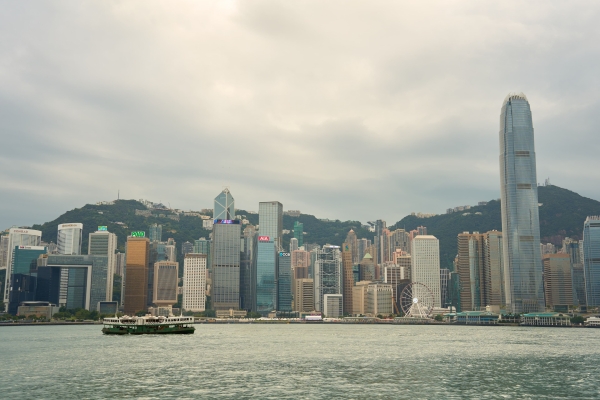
(561, 215)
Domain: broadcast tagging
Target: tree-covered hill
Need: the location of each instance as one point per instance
(562, 214)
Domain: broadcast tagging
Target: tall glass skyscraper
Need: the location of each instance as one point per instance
(224, 206)
(299, 232)
(266, 279)
(284, 282)
(226, 248)
(520, 219)
(328, 274)
(270, 221)
(591, 260)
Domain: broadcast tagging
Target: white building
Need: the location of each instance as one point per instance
(207, 224)
(194, 282)
(69, 239)
(327, 273)
(18, 237)
(333, 305)
(425, 268)
(104, 243)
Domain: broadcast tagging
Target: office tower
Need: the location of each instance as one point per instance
(156, 233)
(284, 282)
(399, 240)
(224, 206)
(104, 243)
(187, 247)
(270, 221)
(17, 237)
(299, 233)
(293, 244)
(591, 260)
(333, 305)
(120, 264)
(454, 292)
(328, 274)
(300, 263)
(165, 283)
(352, 242)
(425, 267)
(266, 275)
(226, 242)
(348, 279)
(69, 238)
(304, 298)
(202, 246)
(194, 282)
(79, 280)
(469, 266)
(397, 275)
(558, 286)
(403, 260)
(137, 256)
(3, 251)
(519, 203)
(170, 252)
(24, 273)
(367, 268)
(247, 269)
(493, 267)
(359, 298)
(379, 299)
(444, 279)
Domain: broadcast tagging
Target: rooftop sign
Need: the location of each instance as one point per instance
(138, 234)
(263, 238)
(227, 221)
(102, 228)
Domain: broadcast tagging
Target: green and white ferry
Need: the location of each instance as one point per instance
(148, 325)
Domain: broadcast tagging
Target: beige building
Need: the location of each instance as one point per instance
(348, 280)
(379, 299)
(165, 283)
(136, 275)
(558, 286)
(304, 298)
(359, 298)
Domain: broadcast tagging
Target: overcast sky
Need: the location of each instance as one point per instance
(341, 109)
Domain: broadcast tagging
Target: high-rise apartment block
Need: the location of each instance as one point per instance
(519, 204)
(194, 282)
(425, 267)
(69, 238)
(136, 274)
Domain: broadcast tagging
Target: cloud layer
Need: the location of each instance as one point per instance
(343, 109)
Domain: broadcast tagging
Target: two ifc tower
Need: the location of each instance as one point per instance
(524, 287)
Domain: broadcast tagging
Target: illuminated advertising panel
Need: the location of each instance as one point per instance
(227, 221)
(102, 228)
(282, 254)
(138, 234)
(263, 238)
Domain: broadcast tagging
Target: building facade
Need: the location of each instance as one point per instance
(104, 243)
(328, 274)
(17, 237)
(224, 206)
(226, 242)
(558, 285)
(68, 239)
(425, 269)
(591, 260)
(137, 256)
(266, 275)
(270, 221)
(165, 283)
(194, 282)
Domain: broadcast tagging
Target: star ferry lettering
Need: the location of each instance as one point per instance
(263, 238)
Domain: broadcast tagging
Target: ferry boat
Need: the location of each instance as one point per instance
(148, 325)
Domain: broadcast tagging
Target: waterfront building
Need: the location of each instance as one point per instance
(69, 238)
(469, 265)
(104, 243)
(304, 298)
(24, 273)
(591, 260)
(333, 305)
(379, 299)
(42, 309)
(194, 282)
(224, 206)
(137, 255)
(359, 297)
(425, 267)
(17, 237)
(493, 266)
(545, 319)
(293, 244)
(166, 276)
(519, 204)
(299, 233)
(226, 242)
(284, 282)
(328, 274)
(477, 318)
(266, 275)
(155, 233)
(270, 221)
(348, 279)
(558, 286)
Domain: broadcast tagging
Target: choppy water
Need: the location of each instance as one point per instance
(301, 361)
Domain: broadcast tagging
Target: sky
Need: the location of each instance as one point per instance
(349, 110)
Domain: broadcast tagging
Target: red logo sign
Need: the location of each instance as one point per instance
(263, 238)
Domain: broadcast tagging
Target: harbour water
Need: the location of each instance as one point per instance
(301, 361)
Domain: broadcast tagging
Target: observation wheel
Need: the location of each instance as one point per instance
(416, 300)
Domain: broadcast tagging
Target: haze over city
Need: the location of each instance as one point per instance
(345, 110)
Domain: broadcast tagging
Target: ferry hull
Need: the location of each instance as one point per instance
(148, 330)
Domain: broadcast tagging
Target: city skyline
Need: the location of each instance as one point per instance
(408, 113)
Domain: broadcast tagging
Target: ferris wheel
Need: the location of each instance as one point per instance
(416, 300)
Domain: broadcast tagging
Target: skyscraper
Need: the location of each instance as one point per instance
(194, 282)
(165, 283)
(591, 260)
(519, 201)
(104, 243)
(328, 274)
(558, 286)
(425, 269)
(299, 232)
(293, 244)
(284, 282)
(348, 279)
(224, 206)
(266, 275)
(156, 233)
(136, 275)
(18, 237)
(226, 242)
(69, 239)
(270, 221)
